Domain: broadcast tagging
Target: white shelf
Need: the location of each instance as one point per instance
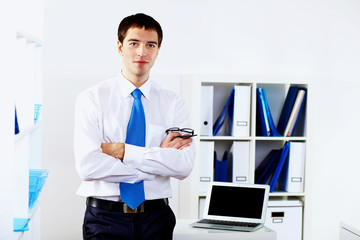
(32, 213)
(29, 38)
(259, 79)
(273, 194)
(28, 131)
(231, 138)
(286, 194)
(224, 138)
(18, 235)
(280, 138)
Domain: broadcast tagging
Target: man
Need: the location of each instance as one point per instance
(123, 152)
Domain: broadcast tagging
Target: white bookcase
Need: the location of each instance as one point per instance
(28, 143)
(23, 89)
(276, 89)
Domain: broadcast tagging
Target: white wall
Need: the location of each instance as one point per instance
(312, 38)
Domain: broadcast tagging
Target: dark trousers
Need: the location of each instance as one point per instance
(102, 224)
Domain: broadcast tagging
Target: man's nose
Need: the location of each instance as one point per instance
(142, 50)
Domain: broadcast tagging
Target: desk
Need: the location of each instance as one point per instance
(183, 231)
(350, 229)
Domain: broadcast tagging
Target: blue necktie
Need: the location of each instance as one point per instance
(133, 193)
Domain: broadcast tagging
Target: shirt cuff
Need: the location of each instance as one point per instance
(133, 155)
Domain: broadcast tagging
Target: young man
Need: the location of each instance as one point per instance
(123, 152)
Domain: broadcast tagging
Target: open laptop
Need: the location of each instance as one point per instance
(231, 206)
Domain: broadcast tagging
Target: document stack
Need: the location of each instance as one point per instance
(37, 179)
(267, 125)
(236, 112)
(231, 166)
(221, 173)
(268, 172)
(283, 169)
(290, 113)
(219, 123)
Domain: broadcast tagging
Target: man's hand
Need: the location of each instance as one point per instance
(172, 142)
(116, 150)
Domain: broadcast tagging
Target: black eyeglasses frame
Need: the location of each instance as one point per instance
(189, 131)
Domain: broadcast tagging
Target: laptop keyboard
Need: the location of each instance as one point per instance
(231, 223)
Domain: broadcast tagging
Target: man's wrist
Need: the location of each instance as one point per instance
(116, 150)
(121, 151)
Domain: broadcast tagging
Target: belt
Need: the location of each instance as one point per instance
(148, 205)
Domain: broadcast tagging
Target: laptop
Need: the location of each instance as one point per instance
(231, 206)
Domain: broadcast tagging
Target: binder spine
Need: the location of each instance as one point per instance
(240, 161)
(206, 163)
(241, 112)
(206, 114)
(263, 119)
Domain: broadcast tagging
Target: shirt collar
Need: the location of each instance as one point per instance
(126, 87)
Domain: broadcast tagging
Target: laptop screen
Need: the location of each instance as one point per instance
(239, 202)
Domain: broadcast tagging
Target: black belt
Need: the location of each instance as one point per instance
(148, 205)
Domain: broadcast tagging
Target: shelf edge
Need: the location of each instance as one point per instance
(27, 131)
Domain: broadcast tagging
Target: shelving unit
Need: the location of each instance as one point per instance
(23, 88)
(28, 143)
(276, 89)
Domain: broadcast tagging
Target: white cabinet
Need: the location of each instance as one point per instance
(259, 146)
(285, 218)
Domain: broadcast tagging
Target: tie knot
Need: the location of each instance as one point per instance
(137, 93)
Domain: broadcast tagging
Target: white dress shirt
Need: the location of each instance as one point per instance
(101, 116)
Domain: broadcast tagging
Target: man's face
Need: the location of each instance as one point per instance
(139, 51)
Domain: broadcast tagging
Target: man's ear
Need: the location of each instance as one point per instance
(119, 44)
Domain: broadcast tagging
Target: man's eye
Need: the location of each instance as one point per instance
(133, 44)
(152, 45)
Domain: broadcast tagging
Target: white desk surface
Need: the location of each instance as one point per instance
(183, 231)
(352, 225)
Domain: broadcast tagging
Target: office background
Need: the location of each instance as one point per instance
(317, 39)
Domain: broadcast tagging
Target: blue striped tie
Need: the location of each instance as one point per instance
(133, 193)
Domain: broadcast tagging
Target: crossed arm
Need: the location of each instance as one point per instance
(117, 150)
(96, 160)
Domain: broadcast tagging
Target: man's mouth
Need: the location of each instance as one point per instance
(141, 62)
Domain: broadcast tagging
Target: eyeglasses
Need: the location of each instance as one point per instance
(189, 132)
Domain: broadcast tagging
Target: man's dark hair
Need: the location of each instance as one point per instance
(139, 20)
